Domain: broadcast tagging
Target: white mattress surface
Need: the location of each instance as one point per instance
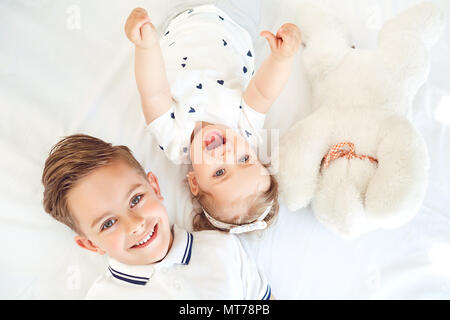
(66, 67)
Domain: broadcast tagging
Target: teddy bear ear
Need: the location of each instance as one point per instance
(403, 43)
(325, 38)
(425, 21)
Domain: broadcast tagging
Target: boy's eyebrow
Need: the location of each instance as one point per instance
(96, 221)
(133, 187)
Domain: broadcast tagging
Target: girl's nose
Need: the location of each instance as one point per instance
(226, 151)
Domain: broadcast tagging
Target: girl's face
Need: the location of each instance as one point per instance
(227, 169)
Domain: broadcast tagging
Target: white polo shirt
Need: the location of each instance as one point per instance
(200, 265)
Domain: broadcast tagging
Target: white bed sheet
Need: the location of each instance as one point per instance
(66, 67)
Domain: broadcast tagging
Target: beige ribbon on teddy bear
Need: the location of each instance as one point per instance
(337, 151)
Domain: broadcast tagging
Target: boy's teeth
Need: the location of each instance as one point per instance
(145, 240)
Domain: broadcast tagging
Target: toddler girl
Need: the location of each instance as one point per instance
(205, 105)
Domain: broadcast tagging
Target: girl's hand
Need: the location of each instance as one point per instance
(286, 42)
(140, 30)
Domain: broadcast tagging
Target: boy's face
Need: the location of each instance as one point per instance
(121, 213)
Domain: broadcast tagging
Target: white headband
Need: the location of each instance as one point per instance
(258, 224)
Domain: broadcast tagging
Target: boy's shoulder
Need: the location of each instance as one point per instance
(208, 237)
(217, 243)
(102, 288)
(207, 251)
(107, 288)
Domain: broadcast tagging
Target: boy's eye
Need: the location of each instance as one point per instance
(244, 159)
(219, 172)
(135, 200)
(108, 224)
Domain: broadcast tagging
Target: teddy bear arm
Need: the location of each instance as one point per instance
(397, 189)
(301, 153)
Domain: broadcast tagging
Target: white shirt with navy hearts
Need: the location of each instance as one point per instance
(209, 62)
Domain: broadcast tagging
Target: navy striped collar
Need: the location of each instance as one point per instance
(267, 294)
(179, 253)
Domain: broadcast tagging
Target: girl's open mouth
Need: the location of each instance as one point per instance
(214, 139)
(147, 239)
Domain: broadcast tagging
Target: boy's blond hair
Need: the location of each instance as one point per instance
(71, 159)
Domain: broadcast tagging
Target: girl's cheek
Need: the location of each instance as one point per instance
(196, 152)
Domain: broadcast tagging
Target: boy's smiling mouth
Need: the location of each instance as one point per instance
(145, 241)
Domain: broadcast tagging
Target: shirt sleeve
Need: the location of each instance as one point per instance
(251, 123)
(255, 285)
(171, 136)
(253, 117)
(96, 291)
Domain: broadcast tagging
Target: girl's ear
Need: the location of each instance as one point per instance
(153, 180)
(87, 244)
(193, 185)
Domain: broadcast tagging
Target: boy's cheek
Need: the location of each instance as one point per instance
(156, 211)
(154, 208)
(112, 244)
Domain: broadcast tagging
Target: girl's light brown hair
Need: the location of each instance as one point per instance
(71, 159)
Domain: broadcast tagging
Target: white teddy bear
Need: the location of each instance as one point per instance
(357, 158)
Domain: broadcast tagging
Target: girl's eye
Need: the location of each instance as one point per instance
(219, 172)
(135, 200)
(108, 224)
(244, 159)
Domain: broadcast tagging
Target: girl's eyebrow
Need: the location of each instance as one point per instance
(104, 215)
(229, 173)
(227, 176)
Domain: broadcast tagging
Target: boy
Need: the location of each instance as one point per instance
(102, 193)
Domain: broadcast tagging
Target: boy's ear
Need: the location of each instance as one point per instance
(193, 185)
(153, 180)
(87, 244)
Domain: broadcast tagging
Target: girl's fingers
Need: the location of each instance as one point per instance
(134, 26)
(146, 30)
(271, 39)
(136, 29)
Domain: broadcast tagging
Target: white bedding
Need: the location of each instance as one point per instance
(66, 67)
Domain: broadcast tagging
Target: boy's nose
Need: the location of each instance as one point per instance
(136, 224)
